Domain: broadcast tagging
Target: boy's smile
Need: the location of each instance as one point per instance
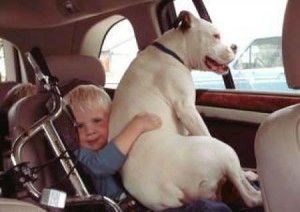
(92, 125)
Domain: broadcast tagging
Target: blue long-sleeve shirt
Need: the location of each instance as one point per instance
(102, 165)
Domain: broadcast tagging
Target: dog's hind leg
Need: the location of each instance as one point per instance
(236, 175)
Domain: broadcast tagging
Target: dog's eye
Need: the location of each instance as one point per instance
(217, 36)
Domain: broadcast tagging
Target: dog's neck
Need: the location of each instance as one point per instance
(175, 42)
(167, 51)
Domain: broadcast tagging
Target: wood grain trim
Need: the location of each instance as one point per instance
(266, 103)
(259, 102)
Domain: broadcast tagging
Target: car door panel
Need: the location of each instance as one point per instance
(234, 117)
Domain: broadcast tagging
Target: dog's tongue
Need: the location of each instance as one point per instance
(215, 66)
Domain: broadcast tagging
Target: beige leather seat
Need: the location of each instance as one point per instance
(7, 205)
(277, 143)
(27, 111)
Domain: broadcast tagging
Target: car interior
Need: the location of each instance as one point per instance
(57, 45)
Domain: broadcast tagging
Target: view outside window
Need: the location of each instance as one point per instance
(258, 64)
(261, 53)
(2, 64)
(118, 50)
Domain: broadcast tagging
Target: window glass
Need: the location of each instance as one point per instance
(2, 64)
(258, 63)
(118, 50)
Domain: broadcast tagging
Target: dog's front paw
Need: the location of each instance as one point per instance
(251, 176)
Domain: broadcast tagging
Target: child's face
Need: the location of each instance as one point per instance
(92, 125)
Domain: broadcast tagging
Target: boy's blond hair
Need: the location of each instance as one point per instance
(18, 92)
(85, 97)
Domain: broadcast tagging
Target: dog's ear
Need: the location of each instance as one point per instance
(183, 21)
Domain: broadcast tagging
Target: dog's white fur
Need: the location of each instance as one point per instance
(166, 168)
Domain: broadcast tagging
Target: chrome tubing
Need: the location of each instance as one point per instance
(46, 125)
(112, 204)
(94, 199)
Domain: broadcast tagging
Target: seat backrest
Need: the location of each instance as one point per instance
(30, 109)
(277, 150)
(21, 116)
(13, 95)
(290, 43)
(277, 142)
(4, 88)
(71, 67)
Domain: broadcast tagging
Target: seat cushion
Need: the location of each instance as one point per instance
(17, 205)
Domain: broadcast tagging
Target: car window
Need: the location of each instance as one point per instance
(261, 53)
(117, 52)
(258, 64)
(2, 64)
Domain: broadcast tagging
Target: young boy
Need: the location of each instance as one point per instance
(101, 160)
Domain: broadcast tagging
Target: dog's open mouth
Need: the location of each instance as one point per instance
(215, 66)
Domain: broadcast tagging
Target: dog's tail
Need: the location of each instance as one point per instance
(236, 175)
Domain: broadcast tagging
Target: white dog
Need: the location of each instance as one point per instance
(167, 168)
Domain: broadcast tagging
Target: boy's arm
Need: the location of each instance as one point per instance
(104, 162)
(109, 160)
(127, 137)
(140, 123)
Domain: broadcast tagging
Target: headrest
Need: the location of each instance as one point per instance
(291, 43)
(68, 68)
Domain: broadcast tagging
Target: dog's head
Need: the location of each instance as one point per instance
(205, 50)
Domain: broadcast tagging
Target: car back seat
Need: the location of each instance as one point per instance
(22, 115)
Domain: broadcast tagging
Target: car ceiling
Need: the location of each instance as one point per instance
(32, 14)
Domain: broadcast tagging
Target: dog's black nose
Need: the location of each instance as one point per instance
(233, 47)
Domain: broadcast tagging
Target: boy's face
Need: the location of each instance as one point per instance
(92, 125)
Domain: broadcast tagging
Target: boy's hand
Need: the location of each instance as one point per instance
(140, 123)
(147, 121)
